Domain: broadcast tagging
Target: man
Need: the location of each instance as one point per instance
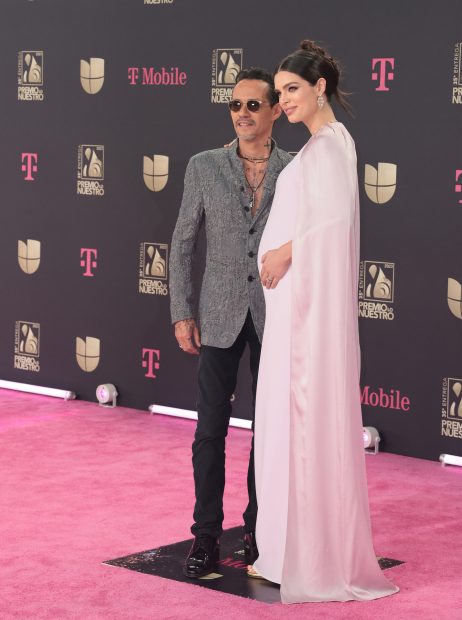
(230, 191)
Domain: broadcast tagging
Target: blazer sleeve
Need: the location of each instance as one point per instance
(182, 294)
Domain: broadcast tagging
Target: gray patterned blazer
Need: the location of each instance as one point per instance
(215, 195)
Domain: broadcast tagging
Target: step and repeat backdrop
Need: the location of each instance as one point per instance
(102, 105)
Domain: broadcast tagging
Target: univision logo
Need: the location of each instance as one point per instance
(155, 172)
(92, 75)
(380, 182)
(455, 297)
(29, 255)
(87, 353)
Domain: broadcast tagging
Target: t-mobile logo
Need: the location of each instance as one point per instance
(88, 262)
(381, 73)
(150, 362)
(29, 165)
(458, 187)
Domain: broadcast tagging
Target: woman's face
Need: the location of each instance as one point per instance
(297, 97)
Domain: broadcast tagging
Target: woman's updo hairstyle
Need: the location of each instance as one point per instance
(312, 62)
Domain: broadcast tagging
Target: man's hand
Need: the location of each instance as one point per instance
(274, 265)
(187, 335)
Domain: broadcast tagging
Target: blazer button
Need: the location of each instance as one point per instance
(250, 278)
(246, 208)
(251, 231)
(251, 254)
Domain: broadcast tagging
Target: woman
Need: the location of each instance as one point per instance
(313, 527)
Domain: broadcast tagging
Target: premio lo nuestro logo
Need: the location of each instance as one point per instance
(455, 297)
(30, 76)
(376, 290)
(226, 64)
(380, 182)
(92, 75)
(155, 172)
(457, 75)
(153, 268)
(27, 346)
(29, 255)
(90, 170)
(87, 353)
(451, 411)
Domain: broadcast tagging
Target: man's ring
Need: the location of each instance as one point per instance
(269, 279)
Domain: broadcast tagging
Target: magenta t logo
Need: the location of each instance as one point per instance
(382, 74)
(29, 165)
(88, 262)
(149, 362)
(133, 73)
(458, 187)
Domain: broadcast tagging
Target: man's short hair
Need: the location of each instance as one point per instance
(256, 73)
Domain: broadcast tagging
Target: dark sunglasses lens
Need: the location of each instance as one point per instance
(253, 106)
(235, 105)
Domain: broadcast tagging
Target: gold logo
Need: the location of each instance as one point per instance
(451, 411)
(87, 353)
(29, 339)
(380, 182)
(155, 264)
(30, 76)
(29, 255)
(90, 170)
(92, 75)
(226, 64)
(153, 268)
(155, 172)
(455, 297)
(31, 64)
(376, 290)
(457, 74)
(379, 281)
(93, 162)
(455, 399)
(27, 346)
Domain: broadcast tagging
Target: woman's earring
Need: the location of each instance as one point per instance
(320, 102)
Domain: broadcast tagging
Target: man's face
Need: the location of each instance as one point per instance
(251, 126)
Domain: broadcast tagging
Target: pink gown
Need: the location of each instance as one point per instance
(313, 526)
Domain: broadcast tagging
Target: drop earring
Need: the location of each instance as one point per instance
(320, 102)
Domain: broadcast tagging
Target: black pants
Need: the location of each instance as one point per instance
(217, 377)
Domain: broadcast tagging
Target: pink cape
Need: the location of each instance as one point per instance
(313, 526)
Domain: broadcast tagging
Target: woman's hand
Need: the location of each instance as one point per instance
(275, 264)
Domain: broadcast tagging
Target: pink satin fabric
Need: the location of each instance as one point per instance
(313, 525)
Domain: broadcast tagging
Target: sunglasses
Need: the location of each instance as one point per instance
(252, 105)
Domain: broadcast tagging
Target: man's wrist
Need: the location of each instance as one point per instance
(188, 321)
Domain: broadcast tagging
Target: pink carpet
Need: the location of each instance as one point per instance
(81, 484)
